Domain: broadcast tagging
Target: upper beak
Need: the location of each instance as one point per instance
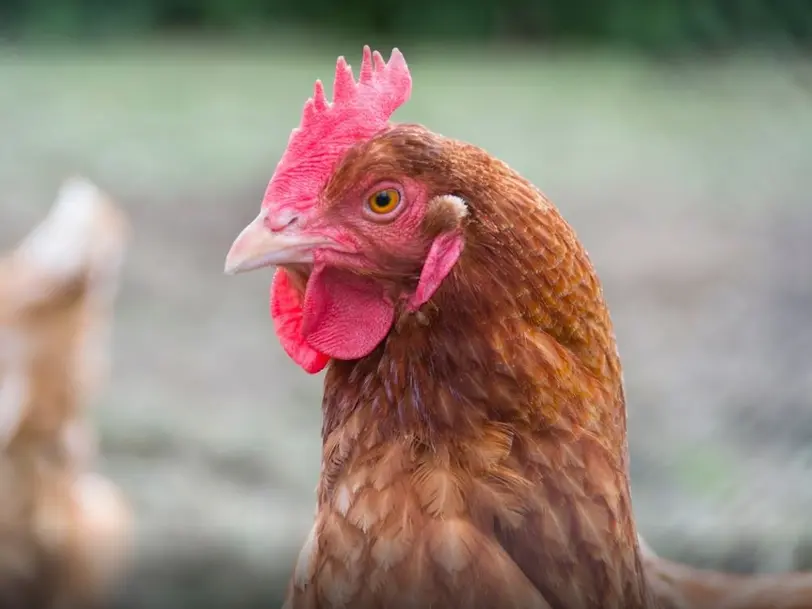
(257, 246)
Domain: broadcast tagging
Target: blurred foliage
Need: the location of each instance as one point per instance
(661, 25)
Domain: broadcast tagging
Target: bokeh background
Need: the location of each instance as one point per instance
(676, 137)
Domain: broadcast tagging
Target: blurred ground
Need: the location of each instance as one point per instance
(689, 184)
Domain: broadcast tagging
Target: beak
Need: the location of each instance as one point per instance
(257, 246)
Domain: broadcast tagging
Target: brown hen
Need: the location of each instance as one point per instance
(474, 434)
(477, 457)
(63, 529)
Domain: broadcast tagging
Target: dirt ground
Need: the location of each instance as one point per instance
(689, 185)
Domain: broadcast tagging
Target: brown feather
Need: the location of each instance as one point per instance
(477, 458)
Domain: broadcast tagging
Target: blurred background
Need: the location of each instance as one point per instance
(675, 136)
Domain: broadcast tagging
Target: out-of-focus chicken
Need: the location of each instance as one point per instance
(64, 531)
(474, 435)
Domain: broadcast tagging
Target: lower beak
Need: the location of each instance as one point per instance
(257, 247)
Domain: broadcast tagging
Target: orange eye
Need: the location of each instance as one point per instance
(384, 201)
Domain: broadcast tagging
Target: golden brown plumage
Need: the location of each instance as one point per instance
(63, 528)
(474, 434)
(477, 457)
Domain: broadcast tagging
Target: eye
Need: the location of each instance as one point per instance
(384, 201)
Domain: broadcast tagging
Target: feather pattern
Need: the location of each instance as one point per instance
(474, 436)
(478, 456)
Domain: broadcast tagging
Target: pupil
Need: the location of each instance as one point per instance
(382, 199)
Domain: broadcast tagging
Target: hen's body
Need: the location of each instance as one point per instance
(477, 457)
(64, 530)
(679, 586)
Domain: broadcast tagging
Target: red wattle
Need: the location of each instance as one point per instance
(345, 315)
(286, 312)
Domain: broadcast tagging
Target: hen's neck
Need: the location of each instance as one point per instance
(517, 334)
(512, 371)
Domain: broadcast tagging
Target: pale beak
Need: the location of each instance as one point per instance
(257, 246)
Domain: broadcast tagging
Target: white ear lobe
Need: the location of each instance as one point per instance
(453, 202)
(14, 385)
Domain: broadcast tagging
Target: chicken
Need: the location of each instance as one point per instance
(64, 530)
(474, 421)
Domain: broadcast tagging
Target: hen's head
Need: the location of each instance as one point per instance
(355, 217)
(57, 291)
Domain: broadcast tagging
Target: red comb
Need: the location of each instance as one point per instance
(328, 129)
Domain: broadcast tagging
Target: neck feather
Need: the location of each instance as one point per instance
(518, 333)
